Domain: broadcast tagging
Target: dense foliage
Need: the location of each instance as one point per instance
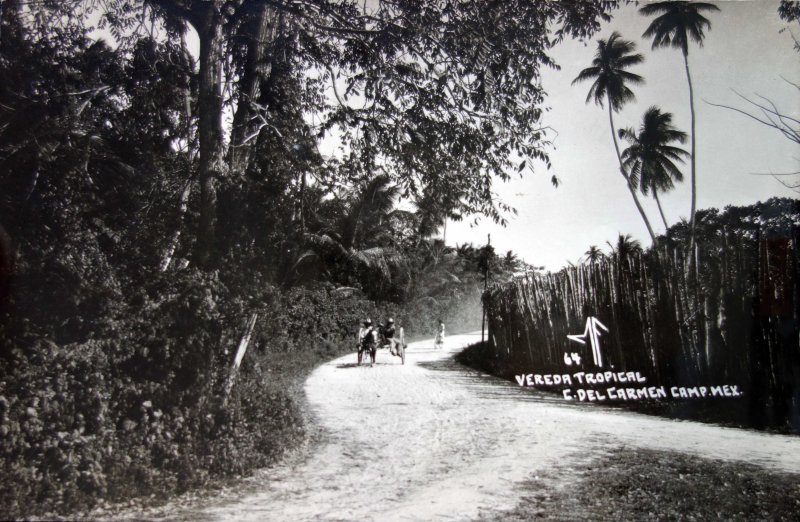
(140, 236)
(141, 408)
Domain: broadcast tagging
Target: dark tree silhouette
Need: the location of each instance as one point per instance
(624, 247)
(448, 99)
(650, 159)
(353, 245)
(677, 23)
(608, 70)
(594, 254)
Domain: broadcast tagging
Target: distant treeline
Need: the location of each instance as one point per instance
(726, 315)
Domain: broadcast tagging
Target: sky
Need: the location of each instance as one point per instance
(744, 50)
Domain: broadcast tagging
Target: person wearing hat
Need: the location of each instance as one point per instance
(367, 339)
(388, 334)
(366, 326)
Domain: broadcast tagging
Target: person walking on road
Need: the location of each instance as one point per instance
(439, 342)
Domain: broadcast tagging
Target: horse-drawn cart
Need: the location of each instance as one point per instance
(375, 339)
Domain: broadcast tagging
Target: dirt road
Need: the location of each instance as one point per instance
(433, 440)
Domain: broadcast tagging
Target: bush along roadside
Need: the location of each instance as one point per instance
(146, 408)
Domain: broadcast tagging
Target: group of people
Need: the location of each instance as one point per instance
(369, 335)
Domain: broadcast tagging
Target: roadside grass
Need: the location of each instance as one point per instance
(629, 484)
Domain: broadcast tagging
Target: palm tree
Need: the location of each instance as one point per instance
(594, 254)
(437, 268)
(435, 208)
(613, 56)
(625, 247)
(650, 157)
(356, 245)
(366, 211)
(677, 23)
(512, 262)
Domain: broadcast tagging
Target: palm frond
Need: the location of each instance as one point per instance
(634, 174)
(324, 244)
(302, 259)
(650, 157)
(672, 172)
(630, 77)
(629, 60)
(676, 23)
(382, 261)
(587, 74)
(627, 134)
(611, 59)
(675, 153)
(596, 92)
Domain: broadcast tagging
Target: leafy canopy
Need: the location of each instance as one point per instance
(443, 94)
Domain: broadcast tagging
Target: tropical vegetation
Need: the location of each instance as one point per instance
(610, 86)
(165, 204)
(679, 22)
(650, 159)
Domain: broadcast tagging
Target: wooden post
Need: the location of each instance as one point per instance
(485, 287)
(237, 361)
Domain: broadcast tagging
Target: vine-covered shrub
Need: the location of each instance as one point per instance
(142, 407)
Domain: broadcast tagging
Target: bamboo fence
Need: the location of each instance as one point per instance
(729, 314)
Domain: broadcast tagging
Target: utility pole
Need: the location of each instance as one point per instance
(485, 283)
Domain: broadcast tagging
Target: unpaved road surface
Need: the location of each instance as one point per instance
(433, 440)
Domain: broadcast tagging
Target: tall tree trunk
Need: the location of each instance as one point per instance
(183, 202)
(303, 203)
(694, 253)
(694, 176)
(257, 68)
(660, 209)
(625, 175)
(210, 32)
(7, 257)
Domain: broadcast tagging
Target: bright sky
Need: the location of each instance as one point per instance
(743, 50)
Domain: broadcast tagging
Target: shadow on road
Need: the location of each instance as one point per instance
(490, 387)
(344, 366)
